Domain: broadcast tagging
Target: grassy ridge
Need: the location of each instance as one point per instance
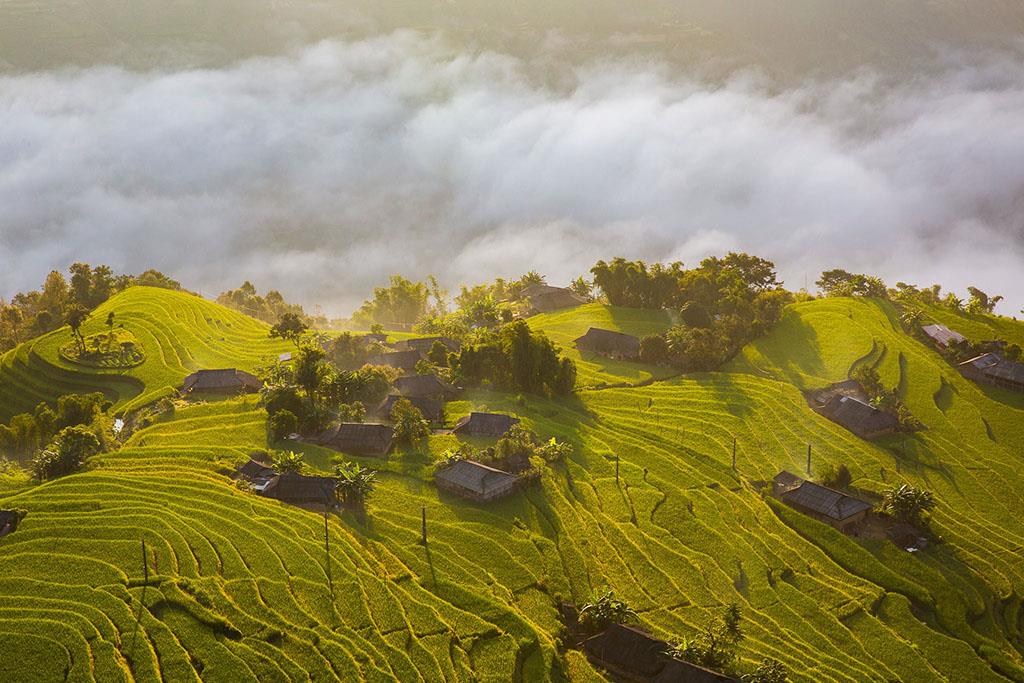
(179, 332)
(242, 591)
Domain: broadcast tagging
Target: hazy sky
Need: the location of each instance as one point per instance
(321, 171)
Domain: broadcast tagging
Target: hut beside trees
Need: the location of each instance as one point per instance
(493, 425)
(475, 481)
(835, 508)
(609, 343)
(225, 381)
(359, 438)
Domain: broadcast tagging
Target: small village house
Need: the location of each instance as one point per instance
(359, 438)
(942, 336)
(423, 345)
(425, 386)
(629, 653)
(609, 343)
(298, 489)
(993, 369)
(493, 425)
(475, 481)
(832, 507)
(545, 298)
(431, 408)
(258, 474)
(859, 416)
(227, 381)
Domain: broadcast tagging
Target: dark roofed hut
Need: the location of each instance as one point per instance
(298, 489)
(475, 481)
(226, 381)
(378, 337)
(859, 417)
(359, 438)
(832, 507)
(258, 474)
(993, 369)
(425, 386)
(485, 424)
(609, 343)
(431, 408)
(400, 360)
(942, 336)
(544, 299)
(9, 520)
(632, 654)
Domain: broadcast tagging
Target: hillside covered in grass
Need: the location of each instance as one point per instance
(240, 589)
(178, 333)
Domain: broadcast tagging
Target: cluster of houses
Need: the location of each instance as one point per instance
(987, 368)
(288, 487)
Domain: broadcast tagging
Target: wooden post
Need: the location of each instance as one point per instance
(616, 468)
(327, 551)
(423, 530)
(808, 460)
(145, 563)
(734, 453)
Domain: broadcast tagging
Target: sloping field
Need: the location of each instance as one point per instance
(563, 326)
(179, 333)
(241, 588)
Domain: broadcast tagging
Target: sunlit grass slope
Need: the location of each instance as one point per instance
(566, 325)
(241, 589)
(179, 333)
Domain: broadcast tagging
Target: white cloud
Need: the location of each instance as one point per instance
(320, 172)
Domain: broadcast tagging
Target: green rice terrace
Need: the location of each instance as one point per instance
(177, 332)
(240, 587)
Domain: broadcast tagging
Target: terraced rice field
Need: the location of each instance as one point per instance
(240, 584)
(179, 333)
(563, 326)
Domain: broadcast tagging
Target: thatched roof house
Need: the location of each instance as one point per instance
(544, 298)
(431, 408)
(359, 438)
(299, 489)
(991, 368)
(424, 344)
(609, 343)
(258, 474)
(485, 424)
(425, 385)
(942, 336)
(630, 653)
(402, 360)
(860, 417)
(475, 481)
(832, 507)
(226, 381)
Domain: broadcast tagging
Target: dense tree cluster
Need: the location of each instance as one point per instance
(515, 358)
(838, 282)
(402, 303)
(884, 399)
(27, 433)
(722, 304)
(29, 314)
(270, 308)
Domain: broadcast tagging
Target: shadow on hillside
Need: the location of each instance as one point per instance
(1011, 399)
(794, 349)
(722, 387)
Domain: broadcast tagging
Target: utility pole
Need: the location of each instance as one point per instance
(327, 551)
(423, 528)
(616, 468)
(734, 453)
(808, 460)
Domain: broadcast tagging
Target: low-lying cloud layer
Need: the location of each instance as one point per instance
(320, 172)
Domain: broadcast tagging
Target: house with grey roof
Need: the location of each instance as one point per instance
(475, 481)
(994, 369)
(630, 653)
(225, 381)
(545, 298)
(359, 438)
(425, 386)
(942, 336)
(400, 360)
(609, 343)
(832, 507)
(298, 489)
(493, 425)
(257, 473)
(424, 344)
(431, 408)
(859, 416)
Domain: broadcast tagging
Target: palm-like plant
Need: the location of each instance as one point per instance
(908, 503)
(911, 318)
(288, 461)
(605, 609)
(355, 483)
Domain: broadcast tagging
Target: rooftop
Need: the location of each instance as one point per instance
(825, 501)
(474, 476)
